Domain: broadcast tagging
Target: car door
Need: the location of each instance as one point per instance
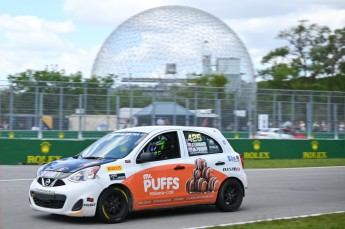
(207, 160)
(159, 171)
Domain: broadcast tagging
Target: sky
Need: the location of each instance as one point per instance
(68, 34)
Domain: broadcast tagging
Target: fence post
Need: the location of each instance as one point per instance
(61, 109)
(11, 110)
(236, 96)
(117, 112)
(280, 114)
(40, 116)
(174, 110)
(80, 135)
(218, 123)
(335, 121)
(37, 112)
(108, 109)
(329, 110)
(153, 114)
(196, 106)
(187, 116)
(309, 119)
(292, 107)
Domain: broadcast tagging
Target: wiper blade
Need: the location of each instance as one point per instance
(97, 158)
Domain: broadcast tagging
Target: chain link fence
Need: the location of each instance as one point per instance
(87, 111)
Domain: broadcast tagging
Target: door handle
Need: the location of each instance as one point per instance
(220, 163)
(179, 167)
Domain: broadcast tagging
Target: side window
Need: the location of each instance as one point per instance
(201, 144)
(162, 147)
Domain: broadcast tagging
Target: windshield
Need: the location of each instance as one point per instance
(114, 145)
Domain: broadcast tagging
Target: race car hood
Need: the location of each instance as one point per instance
(71, 165)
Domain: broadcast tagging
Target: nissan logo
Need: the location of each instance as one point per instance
(47, 182)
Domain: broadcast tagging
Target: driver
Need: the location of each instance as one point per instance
(157, 147)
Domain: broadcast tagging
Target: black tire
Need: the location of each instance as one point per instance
(230, 196)
(113, 205)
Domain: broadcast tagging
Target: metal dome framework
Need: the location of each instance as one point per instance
(189, 40)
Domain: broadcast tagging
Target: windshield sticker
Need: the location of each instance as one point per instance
(128, 134)
(114, 168)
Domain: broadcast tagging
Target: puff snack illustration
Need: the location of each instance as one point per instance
(202, 178)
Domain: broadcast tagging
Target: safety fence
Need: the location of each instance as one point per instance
(65, 134)
(35, 151)
(78, 109)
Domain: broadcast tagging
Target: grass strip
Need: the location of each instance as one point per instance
(334, 221)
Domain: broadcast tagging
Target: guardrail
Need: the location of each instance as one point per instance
(36, 151)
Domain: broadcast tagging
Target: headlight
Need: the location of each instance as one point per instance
(38, 173)
(84, 174)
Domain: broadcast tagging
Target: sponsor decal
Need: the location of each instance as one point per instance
(256, 145)
(41, 159)
(114, 168)
(231, 169)
(61, 135)
(117, 176)
(233, 158)
(45, 149)
(315, 145)
(160, 185)
(313, 154)
(256, 155)
(203, 179)
(89, 205)
(45, 191)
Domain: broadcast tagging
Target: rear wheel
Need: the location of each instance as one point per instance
(230, 196)
(113, 205)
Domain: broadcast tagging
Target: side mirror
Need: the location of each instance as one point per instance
(145, 157)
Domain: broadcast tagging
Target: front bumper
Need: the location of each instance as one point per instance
(72, 199)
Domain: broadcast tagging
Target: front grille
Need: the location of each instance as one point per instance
(52, 182)
(55, 201)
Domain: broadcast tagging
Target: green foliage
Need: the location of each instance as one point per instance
(51, 80)
(313, 59)
(335, 83)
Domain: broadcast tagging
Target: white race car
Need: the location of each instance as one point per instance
(142, 168)
(278, 133)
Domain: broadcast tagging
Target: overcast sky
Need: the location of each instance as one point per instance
(69, 33)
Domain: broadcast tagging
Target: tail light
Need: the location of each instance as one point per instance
(242, 160)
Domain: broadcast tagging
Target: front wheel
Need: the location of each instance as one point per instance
(230, 196)
(113, 205)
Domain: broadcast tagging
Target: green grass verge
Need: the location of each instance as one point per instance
(334, 221)
(293, 163)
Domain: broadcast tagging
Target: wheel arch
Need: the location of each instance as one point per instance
(123, 188)
(239, 180)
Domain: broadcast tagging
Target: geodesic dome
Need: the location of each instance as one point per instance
(184, 39)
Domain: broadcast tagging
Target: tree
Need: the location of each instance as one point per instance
(58, 90)
(51, 80)
(312, 52)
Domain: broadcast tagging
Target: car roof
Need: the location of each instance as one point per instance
(149, 129)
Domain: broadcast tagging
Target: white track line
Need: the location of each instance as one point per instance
(299, 168)
(12, 180)
(266, 220)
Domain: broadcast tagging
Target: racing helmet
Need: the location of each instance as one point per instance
(158, 146)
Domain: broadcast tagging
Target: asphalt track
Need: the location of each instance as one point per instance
(273, 193)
